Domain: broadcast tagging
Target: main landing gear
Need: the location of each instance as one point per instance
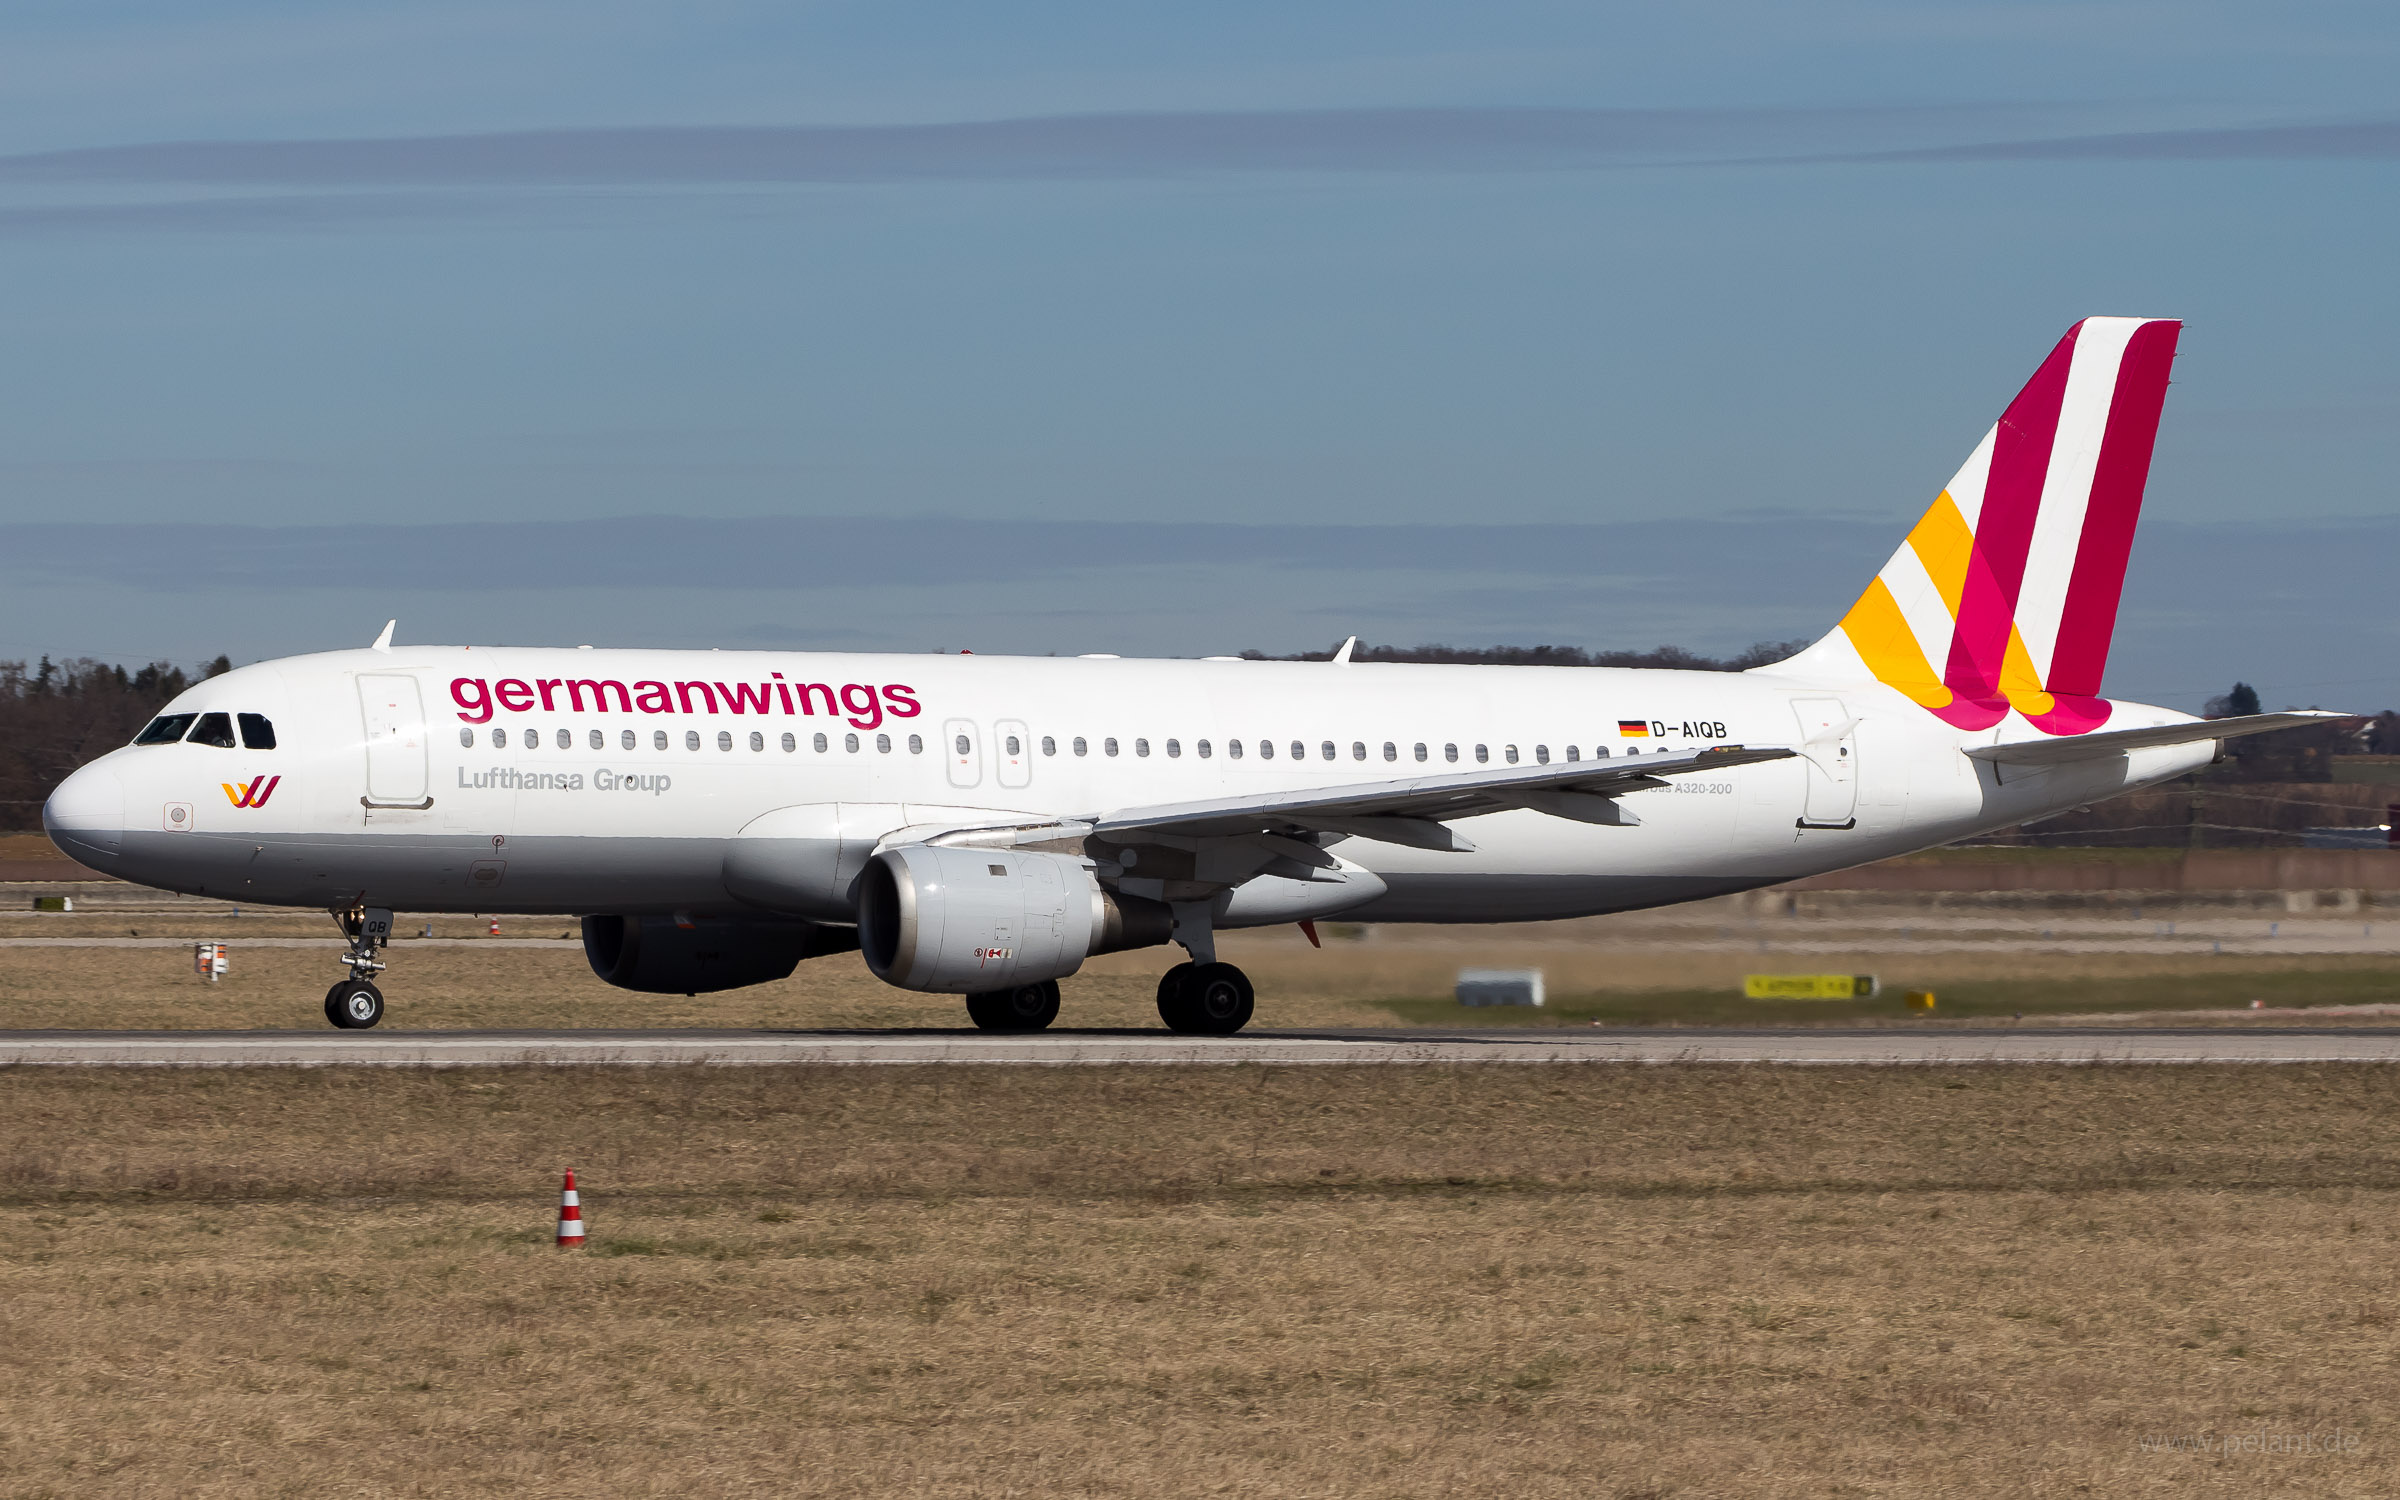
(1028, 1007)
(1210, 999)
(355, 1004)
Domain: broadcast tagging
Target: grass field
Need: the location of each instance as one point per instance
(1377, 983)
(1506, 1282)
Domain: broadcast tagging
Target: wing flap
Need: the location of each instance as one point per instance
(1428, 799)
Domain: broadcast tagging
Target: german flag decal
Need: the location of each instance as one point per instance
(1634, 729)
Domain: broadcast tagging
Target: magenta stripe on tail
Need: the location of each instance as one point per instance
(2012, 497)
(2090, 615)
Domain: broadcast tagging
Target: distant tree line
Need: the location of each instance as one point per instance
(1765, 653)
(54, 716)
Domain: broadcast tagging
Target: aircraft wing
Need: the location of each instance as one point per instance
(1411, 810)
(2051, 752)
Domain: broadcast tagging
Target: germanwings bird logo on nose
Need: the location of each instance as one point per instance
(253, 795)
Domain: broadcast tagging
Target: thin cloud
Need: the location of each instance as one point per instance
(1063, 146)
(2370, 140)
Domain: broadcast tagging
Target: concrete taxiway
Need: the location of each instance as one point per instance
(1886, 1047)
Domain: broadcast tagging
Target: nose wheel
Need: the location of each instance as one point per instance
(354, 1005)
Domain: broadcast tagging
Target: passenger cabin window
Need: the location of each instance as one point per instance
(691, 739)
(791, 742)
(1141, 746)
(1082, 747)
(1358, 749)
(1450, 753)
(466, 737)
(724, 739)
(1390, 751)
(758, 742)
(1234, 748)
(628, 740)
(658, 739)
(1108, 746)
(165, 730)
(499, 738)
(213, 729)
(1420, 749)
(850, 743)
(1299, 751)
(257, 732)
(1483, 754)
(1013, 747)
(817, 743)
(959, 745)
(883, 744)
(566, 739)
(599, 740)
(1326, 749)
(916, 744)
(1174, 749)
(533, 739)
(1049, 745)
(1511, 752)
(1573, 753)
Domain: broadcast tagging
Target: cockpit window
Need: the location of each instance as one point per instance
(258, 732)
(165, 730)
(213, 729)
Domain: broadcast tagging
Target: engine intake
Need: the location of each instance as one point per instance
(661, 956)
(960, 921)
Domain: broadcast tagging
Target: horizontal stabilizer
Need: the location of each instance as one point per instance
(2051, 752)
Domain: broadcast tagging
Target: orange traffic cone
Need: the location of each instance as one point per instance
(495, 926)
(570, 1216)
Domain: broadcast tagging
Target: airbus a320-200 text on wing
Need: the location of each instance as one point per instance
(981, 825)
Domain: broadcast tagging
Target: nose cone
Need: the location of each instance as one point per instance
(85, 817)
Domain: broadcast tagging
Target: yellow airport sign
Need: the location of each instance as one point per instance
(1809, 986)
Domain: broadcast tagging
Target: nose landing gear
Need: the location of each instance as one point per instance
(356, 1004)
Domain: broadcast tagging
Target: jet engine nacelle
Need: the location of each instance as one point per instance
(691, 956)
(960, 921)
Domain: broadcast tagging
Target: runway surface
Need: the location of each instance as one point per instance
(1278, 1048)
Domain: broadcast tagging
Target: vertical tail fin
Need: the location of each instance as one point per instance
(2005, 595)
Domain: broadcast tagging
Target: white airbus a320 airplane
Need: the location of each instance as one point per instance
(980, 825)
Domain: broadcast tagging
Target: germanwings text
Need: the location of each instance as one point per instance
(861, 703)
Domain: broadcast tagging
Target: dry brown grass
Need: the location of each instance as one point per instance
(512, 984)
(1485, 1282)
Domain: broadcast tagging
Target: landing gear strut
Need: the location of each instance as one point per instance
(1210, 999)
(355, 1004)
(1028, 1007)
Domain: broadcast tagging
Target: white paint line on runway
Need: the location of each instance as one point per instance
(1069, 1049)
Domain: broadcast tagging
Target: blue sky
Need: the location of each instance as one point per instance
(1371, 266)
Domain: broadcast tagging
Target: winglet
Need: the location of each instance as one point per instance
(1343, 655)
(383, 642)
